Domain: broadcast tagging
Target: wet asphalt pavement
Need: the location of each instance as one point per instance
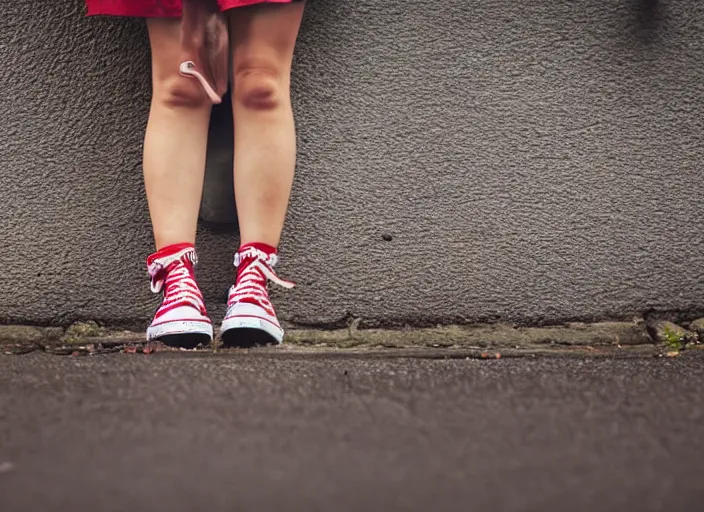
(200, 432)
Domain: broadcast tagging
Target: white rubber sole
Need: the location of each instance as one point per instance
(178, 327)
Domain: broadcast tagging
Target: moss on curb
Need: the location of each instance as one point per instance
(672, 336)
(81, 331)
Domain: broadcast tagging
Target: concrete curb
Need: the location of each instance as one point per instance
(479, 338)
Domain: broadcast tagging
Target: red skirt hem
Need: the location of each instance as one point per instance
(158, 9)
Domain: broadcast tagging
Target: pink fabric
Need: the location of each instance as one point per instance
(159, 8)
(204, 33)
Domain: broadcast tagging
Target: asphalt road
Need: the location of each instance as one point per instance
(237, 432)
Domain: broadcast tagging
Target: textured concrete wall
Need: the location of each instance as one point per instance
(529, 161)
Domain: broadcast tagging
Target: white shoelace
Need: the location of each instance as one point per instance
(171, 275)
(251, 285)
(181, 289)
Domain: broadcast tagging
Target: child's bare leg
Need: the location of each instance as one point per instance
(174, 165)
(263, 39)
(175, 142)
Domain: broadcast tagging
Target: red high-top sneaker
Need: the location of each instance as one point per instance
(250, 319)
(181, 320)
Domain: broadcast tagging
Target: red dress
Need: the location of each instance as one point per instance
(159, 8)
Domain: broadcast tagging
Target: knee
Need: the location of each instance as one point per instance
(180, 92)
(260, 87)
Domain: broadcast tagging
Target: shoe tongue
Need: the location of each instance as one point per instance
(264, 263)
(251, 253)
